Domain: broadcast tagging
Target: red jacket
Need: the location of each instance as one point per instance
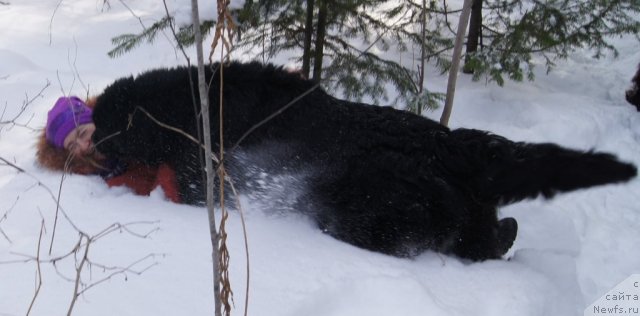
(144, 179)
(140, 178)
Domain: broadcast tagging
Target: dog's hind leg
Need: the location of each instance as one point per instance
(485, 238)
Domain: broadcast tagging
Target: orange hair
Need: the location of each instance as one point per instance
(54, 158)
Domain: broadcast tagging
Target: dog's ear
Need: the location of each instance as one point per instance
(111, 111)
(633, 93)
(115, 102)
(119, 94)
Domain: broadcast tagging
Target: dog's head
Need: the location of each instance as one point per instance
(122, 130)
(633, 94)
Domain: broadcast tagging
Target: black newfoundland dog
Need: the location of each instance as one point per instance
(633, 94)
(375, 177)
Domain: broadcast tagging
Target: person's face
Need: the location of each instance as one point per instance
(78, 141)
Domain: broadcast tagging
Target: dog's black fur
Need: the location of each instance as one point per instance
(376, 177)
(633, 94)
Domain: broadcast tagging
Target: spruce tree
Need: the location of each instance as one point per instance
(359, 48)
(339, 43)
(516, 31)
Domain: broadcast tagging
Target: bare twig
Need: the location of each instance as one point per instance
(124, 4)
(55, 220)
(171, 128)
(105, 3)
(125, 227)
(144, 27)
(246, 243)
(84, 261)
(103, 233)
(51, 21)
(223, 252)
(272, 116)
(123, 271)
(225, 23)
(46, 188)
(76, 73)
(79, 268)
(5, 216)
(25, 104)
(5, 235)
(175, 36)
(38, 271)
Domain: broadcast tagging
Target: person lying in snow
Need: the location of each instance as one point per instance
(375, 177)
(65, 144)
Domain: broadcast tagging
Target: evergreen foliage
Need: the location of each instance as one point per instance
(185, 36)
(517, 30)
(344, 47)
(356, 32)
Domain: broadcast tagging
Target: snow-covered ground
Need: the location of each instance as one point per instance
(568, 253)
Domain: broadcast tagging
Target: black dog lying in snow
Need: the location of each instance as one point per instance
(633, 94)
(375, 177)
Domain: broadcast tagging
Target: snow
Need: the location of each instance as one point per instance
(569, 251)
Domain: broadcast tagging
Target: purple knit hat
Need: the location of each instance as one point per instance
(66, 115)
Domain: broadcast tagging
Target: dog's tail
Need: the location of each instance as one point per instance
(514, 171)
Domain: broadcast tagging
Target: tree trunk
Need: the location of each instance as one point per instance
(319, 46)
(308, 35)
(421, 74)
(455, 62)
(206, 126)
(475, 31)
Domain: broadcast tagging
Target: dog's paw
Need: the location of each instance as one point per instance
(507, 232)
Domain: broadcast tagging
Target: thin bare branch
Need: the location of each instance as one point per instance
(122, 271)
(174, 129)
(246, 243)
(80, 254)
(51, 21)
(272, 116)
(46, 188)
(144, 27)
(124, 4)
(126, 228)
(38, 271)
(78, 279)
(5, 235)
(5, 216)
(25, 104)
(175, 35)
(55, 219)
(72, 64)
